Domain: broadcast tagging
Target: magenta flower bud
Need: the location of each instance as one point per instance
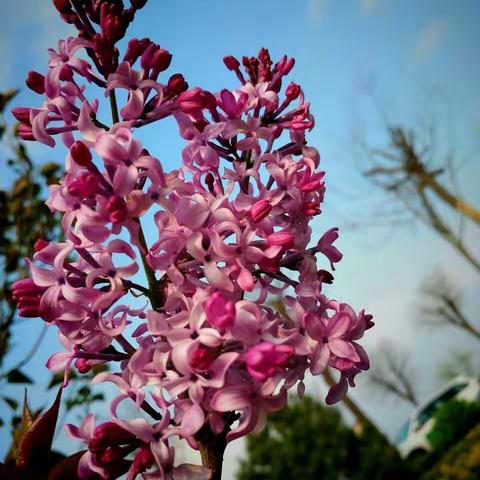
(80, 154)
(66, 73)
(35, 81)
(220, 312)
(135, 48)
(25, 132)
(201, 359)
(193, 101)
(147, 56)
(310, 183)
(22, 114)
(285, 65)
(143, 461)
(283, 239)
(210, 181)
(270, 265)
(264, 359)
(292, 92)
(81, 364)
(27, 295)
(231, 62)
(176, 84)
(260, 210)
(310, 208)
(109, 434)
(113, 28)
(161, 60)
(117, 209)
(111, 455)
(63, 6)
(104, 49)
(40, 244)
(84, 186)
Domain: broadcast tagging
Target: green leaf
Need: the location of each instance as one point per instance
(49, 169)
(57, 378)
(11, 402)
(5, 97)
(17, 376)
(98, 397)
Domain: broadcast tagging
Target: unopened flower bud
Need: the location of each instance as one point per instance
(270, 265)
(84, 186)
(81, 364)
(193, 101)
(135, 48)
(63, 6)
(310, 208)
(80, 153)
(111, 455)
(108, 434)
(310, 183)
(113, 28)
(292, 92)
(25, 132)
(285, 65)
(147, 56)
(143, 460)
(283, 239)
(260, 210)
(27, 295)
(35, 81)
(161, 60)
(176, 84)
(210, 181)
(22, 114)
(231, 62)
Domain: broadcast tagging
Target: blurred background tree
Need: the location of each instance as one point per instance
(420, 184)
(24, 218)
(308, 440)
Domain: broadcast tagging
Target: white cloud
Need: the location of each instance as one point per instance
(316, 10)
(430, 38)
(367, 6)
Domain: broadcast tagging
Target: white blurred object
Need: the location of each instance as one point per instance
(412, 439)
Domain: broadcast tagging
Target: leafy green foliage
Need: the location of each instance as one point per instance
(460, 462)
(307, 440)
(17, 376)
(24, 218)
(452, 421)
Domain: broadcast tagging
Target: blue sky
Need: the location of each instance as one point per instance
(407, 61)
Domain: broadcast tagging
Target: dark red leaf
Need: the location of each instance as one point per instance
(34, 448)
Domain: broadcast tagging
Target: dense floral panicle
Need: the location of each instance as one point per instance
(229, 228)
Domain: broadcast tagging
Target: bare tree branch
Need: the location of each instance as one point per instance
(403, 170)
(442, 305)
(392, 375)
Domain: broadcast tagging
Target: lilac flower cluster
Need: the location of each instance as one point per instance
(232, 229)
